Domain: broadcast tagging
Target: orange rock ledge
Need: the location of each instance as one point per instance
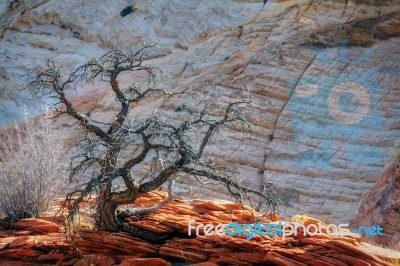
(42, 241)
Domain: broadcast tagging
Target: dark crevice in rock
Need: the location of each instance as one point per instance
(126, 11)
(375, 2)
(362, 33)
(145, 234)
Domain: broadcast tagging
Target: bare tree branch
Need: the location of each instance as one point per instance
(141, 211)
(177, 147)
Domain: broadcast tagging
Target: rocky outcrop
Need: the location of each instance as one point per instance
(38, 226)
(103, 248)
(363, 32)
(284, 55)
(382, 205)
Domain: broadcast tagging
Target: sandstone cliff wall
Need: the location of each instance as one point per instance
(285, 55)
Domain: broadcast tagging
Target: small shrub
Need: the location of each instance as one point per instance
(31, 168)
(180, 108)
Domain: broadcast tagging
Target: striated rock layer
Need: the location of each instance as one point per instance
(40, 241)
(284, 55)
(382, 205)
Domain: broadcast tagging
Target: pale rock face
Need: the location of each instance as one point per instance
(326, 115)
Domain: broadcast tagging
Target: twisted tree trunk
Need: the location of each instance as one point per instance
(107, 202)
(105, 215)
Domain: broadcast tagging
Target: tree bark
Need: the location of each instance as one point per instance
(108, 202)
(105, 216)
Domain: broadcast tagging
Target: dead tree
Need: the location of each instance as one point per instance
(177, 148)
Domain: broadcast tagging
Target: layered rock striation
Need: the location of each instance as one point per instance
(323, 149)
(41, 241)
(382, 205)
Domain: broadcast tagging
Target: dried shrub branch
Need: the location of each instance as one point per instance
(32, 168)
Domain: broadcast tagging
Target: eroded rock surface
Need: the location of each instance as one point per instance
(382, 205)
(104, 248)
(275, 53)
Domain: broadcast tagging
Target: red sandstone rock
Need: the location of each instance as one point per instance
(204, 264)
(279, 260)
(54, 256)
(3, 246)
(38, 225)
(22, 254)
(24, 263)
(26, 241)
(381, 205)
(105, 248)
(145, 262)
(22, 233)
